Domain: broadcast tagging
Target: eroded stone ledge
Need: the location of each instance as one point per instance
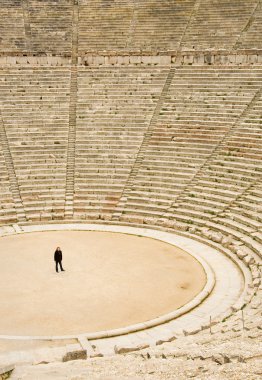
(184, 58)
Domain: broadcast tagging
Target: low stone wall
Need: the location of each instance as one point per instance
(13, 61)
(180, 59)
(195, 58)
(218, 58)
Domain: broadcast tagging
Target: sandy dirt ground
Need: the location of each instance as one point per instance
(111, 280)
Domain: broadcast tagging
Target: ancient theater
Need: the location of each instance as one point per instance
(130, 189)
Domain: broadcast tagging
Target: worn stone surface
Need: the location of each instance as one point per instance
(74, 355)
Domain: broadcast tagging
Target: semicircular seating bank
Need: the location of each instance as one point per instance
(112, 114)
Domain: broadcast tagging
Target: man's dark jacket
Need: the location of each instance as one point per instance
(58, 255)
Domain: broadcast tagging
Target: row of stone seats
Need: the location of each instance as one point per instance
(12, 31)
(7, 208)
(219, 24)
(243, 218)
(250, 38)
(104, 24)
(236, 339)
(114, 109)
(247, 210)
(189, 161)
(240, 238)
(234, 167)
(237, 336)
(36, 26)
(46, 26)
(123, 24)
(185, 164)
(50, 25)
(35, 104)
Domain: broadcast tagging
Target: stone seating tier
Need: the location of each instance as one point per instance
(47, 27)
(34, 26)
(35, 105)
(192, 158)
(219, 144)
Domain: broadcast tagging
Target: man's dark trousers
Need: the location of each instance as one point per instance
(56, 265)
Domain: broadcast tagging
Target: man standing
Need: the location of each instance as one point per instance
(58, 259)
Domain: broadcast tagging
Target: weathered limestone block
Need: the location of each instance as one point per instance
(199, 59)
(188, 59)
(164, 60)
(137, 219)
(205, 232)
(161, 222)
(257, 282)
(232, 58)
(3, 61)
(191, 332)
(45, 216)
(259, 59)
(51, 61)
(248, 260)
(23, 61)
(240, 59)
(93, 216)
(241, 254)
(227, 240)
(11, 60)
(165, 340)
(217, 358)
(135, 59)
(146, 59)
(224, 60)
(111, 60)
(217, 237)
(125, 218)
(82, 216)
(180, 226)
(155, 60)
(98, 60)
(252, 59)
(209, 59)
(217, 59)
(255, 272)
(192, 230)
(126, 349)
(96, 354)
(149, 220)
(177, 59)
(75, 355)
(89, 60)
(169, 223)
(123, 60)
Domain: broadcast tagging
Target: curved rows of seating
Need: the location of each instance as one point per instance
(35, 116)
(204, 151)
(46, 26)
(196, 154)
(198, 174)
(114, 109)
(36, 26)
(7, 209)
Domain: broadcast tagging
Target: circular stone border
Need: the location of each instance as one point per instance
(157, 235)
